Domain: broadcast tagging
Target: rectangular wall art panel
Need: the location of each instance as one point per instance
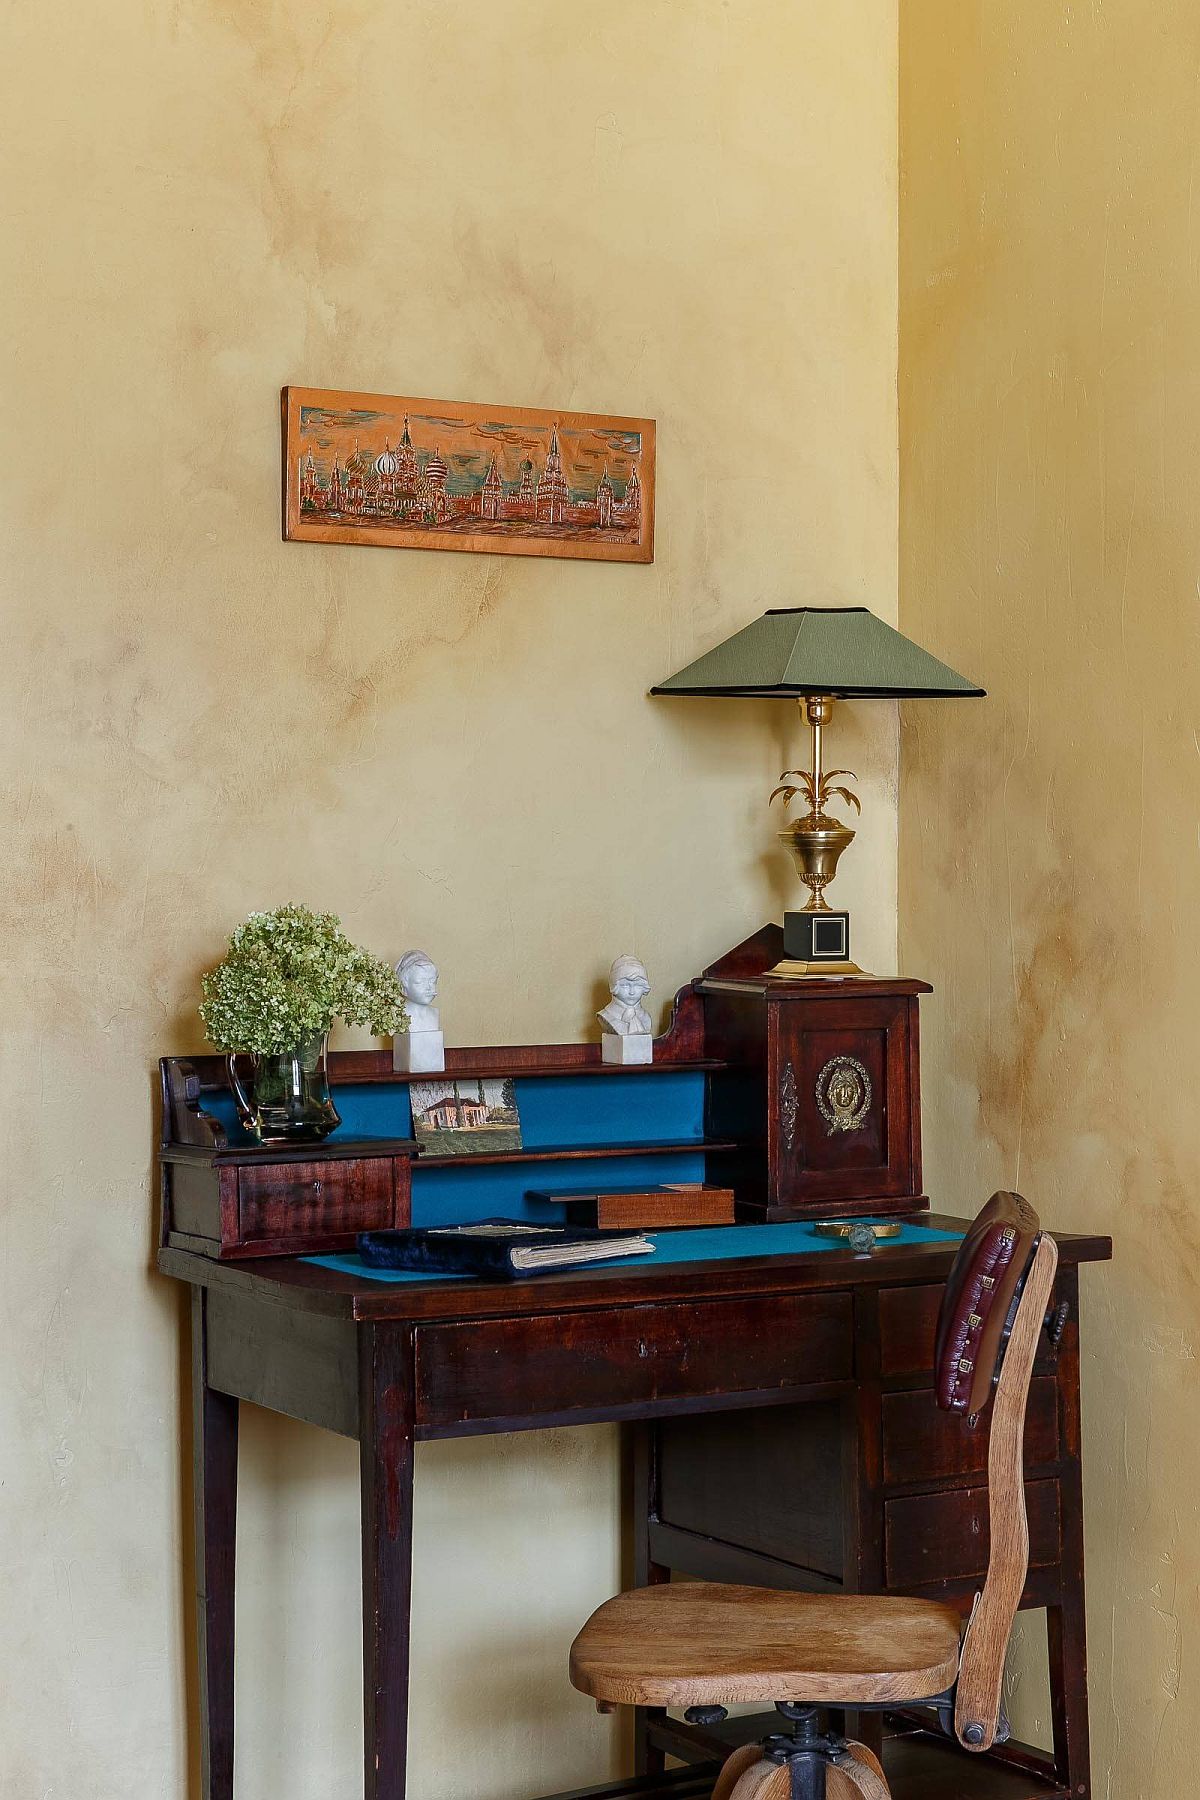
(440, 475)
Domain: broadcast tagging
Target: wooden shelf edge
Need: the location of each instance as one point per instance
(578, 1153)
(373, 1068)
(545, 1071)
(331, 1149)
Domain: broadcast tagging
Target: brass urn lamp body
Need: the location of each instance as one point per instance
(816, 840)
(815, 655)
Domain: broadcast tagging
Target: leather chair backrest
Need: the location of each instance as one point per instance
(980, 1301)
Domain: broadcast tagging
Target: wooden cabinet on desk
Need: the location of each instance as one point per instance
(823, 1085)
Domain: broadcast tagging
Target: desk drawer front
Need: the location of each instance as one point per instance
(907, 1329)
(575, 1364)
(923, 1443)
(908, 1319)
(292, 1202)
(945, 1537)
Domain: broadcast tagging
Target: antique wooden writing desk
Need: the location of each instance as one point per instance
(785, 1432)
(788, 1416)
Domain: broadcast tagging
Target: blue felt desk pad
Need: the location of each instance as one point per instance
(720, 1243)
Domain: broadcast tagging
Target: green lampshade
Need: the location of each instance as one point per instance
(843, 651)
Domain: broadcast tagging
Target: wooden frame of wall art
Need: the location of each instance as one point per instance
(445, 475)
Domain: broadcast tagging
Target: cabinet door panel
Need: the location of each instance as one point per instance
(841, 1091)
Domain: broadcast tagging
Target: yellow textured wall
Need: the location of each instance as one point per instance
(685, 211)
(1050, 886)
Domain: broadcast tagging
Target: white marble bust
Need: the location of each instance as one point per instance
(418, 978)
(625, 1015)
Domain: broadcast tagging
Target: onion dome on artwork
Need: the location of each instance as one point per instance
(386, 465)
(435, 468)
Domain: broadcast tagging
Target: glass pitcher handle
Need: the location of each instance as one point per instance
(240, 1096)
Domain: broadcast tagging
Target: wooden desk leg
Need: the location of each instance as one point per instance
(862, 1484)
(386, 1475)
(214, 1489)
(1066, 1623)
(648, 1759)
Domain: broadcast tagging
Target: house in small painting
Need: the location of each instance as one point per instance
(452, 1113)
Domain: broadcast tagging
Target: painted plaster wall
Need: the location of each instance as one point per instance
(1050, 885)
(683, 211)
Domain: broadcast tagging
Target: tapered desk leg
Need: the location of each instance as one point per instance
(214, 1488)
(862, 1482)
(648, 1759)
(386, 1465)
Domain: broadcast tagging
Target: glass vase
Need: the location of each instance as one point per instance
(287, 1099)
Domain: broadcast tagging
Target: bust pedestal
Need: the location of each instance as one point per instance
(419, 1053)
(632, 1047)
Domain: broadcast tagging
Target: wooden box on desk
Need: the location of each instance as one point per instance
(822, 1088)
(241, 1200)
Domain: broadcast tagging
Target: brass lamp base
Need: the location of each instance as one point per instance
(812, 936)
(816, 942)
(787, 970)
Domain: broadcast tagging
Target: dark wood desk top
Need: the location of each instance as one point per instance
(305, 1287)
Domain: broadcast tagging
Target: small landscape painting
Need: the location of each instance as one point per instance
(446, 475)
(462, 1118)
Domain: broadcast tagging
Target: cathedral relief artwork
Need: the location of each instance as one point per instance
(440, 475)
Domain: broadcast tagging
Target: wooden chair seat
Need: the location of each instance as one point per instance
(701, 1643)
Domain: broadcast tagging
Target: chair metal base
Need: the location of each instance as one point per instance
(806, 1753)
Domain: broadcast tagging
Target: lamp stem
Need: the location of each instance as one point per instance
(819, 709)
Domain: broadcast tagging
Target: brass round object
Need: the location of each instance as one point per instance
(841, 1228)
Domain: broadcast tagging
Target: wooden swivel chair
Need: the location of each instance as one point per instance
(704, 1645)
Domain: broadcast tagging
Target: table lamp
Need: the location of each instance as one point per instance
(817, 655)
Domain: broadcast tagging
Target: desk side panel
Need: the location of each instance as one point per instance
(768, 1481)
(302, 1364)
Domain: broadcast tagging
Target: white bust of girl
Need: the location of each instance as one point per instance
(629, 984)
(418, 977)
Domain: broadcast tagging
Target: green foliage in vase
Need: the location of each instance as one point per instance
(287, 975)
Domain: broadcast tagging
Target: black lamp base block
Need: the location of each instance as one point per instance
(816, 937)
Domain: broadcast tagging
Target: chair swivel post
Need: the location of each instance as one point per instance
(806, 1750)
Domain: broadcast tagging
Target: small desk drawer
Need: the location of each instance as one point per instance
(923, 1443)
(946, 1537)
(908, 1321)
(907, 1329)
(637, 1357)
(282, 1202)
